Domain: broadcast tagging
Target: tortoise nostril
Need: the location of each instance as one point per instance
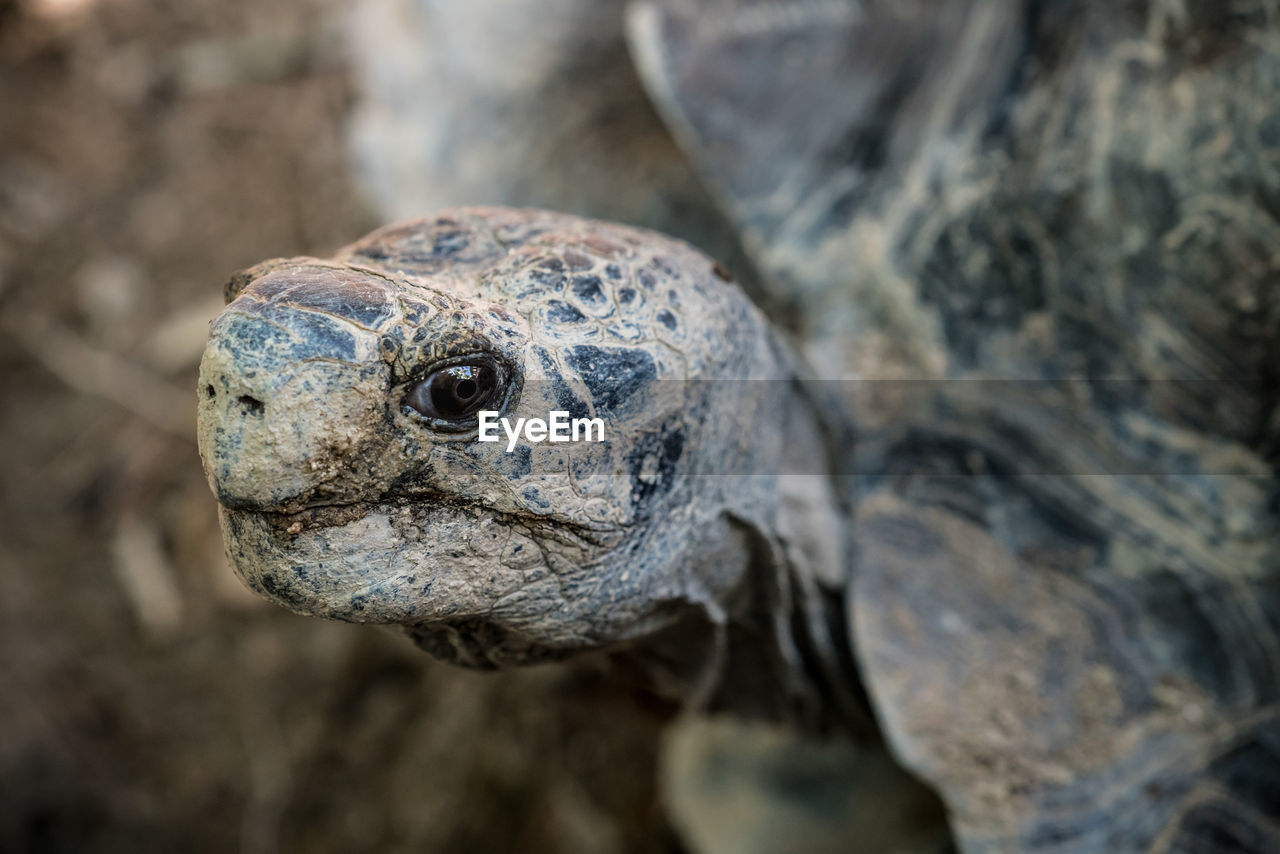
(210, 391)
(252, 404)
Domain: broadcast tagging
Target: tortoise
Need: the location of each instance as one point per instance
(1002, 494)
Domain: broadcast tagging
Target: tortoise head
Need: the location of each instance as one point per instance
(340, 430)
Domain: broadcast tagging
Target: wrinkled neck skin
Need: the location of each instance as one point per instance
(775, 646)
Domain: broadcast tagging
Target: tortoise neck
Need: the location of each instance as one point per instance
(776, 649)
(774, 644)
(791, 620)
(787, 653)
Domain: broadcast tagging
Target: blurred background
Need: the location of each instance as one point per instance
(148, 702)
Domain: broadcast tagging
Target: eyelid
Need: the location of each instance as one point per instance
(505, 390)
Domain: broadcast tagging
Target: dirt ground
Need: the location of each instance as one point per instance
(147, 701)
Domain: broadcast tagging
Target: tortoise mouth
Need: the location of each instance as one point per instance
(397, 562)
(298, 517)
(360, 562)
(315, 516)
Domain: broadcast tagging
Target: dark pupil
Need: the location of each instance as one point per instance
(454, 392)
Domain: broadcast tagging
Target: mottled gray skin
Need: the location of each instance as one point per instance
(1064, 600)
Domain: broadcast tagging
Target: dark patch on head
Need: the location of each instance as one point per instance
(317, 334)
(347, 294)
(613, 271)
(388, 348)
(449, 241)
(285, 594)
(588, 289)
(561, 312)
(646, 278)
(534, 498)
(667, 319)
(414, 311)
(665, 267)
(570, 402)
(519, 462)
(612, 374)
(559, 390)
(652, 462)
(270, 336)
(626, 295)
(548, 279)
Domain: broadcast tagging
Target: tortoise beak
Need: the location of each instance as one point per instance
(293, 388)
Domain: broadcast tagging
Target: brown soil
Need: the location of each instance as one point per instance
(148, 702)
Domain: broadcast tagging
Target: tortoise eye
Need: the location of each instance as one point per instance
(452, 394)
